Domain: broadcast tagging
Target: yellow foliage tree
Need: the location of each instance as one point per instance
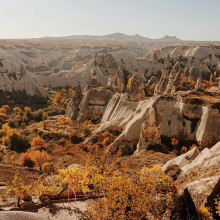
(6, 107)
(58, 97)
(40, 157)
(18, 189)
(2, 110)
(18, 110)
(26, 159)
(134, 197)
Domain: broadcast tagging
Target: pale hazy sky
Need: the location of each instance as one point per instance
(186, 19)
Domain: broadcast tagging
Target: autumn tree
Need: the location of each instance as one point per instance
(26, 160)
(17, 111)
(6, 107)
(18, 189)
(40, 157)
(58, 97)
(37, 143)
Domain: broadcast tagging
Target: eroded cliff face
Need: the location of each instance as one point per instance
(160, 118)
(27, 83)
(91, 105)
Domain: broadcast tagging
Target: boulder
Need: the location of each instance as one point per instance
(51, 180)
(72, 166)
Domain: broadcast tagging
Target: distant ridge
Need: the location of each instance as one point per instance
(118, 37)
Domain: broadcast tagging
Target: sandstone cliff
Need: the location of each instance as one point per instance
(163, 117)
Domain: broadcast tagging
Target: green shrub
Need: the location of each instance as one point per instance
(14, 123)
(38, 115)
(15, 141)
(52, 111)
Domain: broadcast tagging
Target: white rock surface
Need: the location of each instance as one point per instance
(171, 118)
(19, 215)
(27, 82)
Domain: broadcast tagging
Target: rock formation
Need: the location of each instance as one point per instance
(91, 104)
(73, 106)
(194, 170)
(134, 89)
(153, 121)
(22, 81)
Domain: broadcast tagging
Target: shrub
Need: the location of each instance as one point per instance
(39, 115)
(18, 111)
(87, 131)
(4, 130)
(40, 157)
(64, 121)
(18, 189)
(217, 204)
(148, 193)
(49, 168)
(175, 142)
(183, 150)
(27, 116)
(176, 152)
(62, 141)
(106, 141)
(26, 160)
(58, 97)
(6, 107)
(37, 143)
(51, 111)
(193, 146)
(14, 123)
(106, 134)
(2, 110)
(13, 157)
(14, 140)
(3, 116)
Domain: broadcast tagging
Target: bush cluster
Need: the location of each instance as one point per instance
(13, 139)
(27, 116)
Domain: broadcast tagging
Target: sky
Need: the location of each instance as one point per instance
(186, 19)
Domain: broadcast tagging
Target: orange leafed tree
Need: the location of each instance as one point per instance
(40, 157)
(37, 143)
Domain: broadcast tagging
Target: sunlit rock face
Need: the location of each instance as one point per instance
(167, 116)
(21, 86)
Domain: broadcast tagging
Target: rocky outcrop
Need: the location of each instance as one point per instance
(153, 121)
(20, 82)
(73, 106)
(56, 81)
(91, 106)
(198, 171)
